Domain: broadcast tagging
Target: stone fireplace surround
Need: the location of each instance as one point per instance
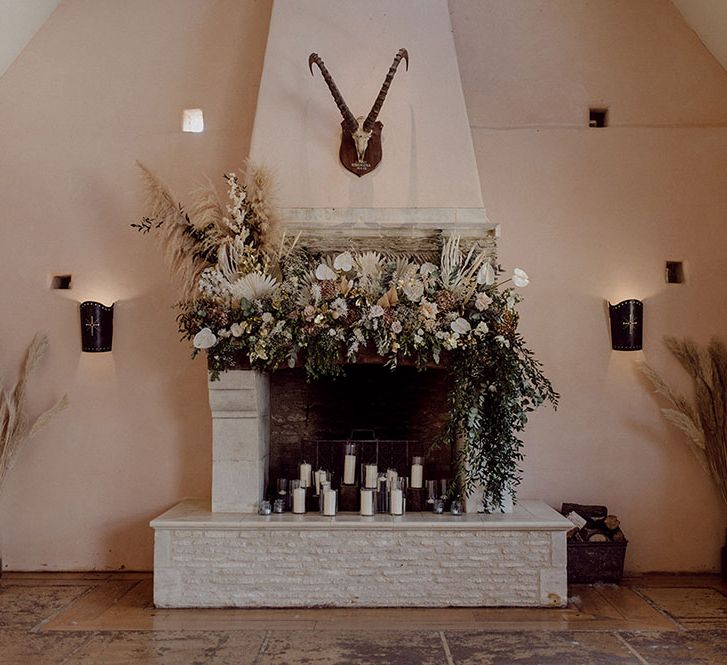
(220, 553)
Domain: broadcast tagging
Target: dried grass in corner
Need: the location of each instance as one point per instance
(16, 427)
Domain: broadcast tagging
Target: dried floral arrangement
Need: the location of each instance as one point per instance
(16, 427)
(252, 294)
(704, 420)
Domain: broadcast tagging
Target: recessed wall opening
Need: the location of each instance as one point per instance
(598, 117)
(675, 272)
(62, 282)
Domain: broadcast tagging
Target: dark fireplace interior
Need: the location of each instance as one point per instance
(405, 408)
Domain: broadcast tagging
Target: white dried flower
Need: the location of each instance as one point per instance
(460, 326)
(204, 339)
(343, 262)
(236, 330)
(451, 342)
(427, 269)
(502, 341)
(324, 272)
(267, 317)
(520, 278)
(481, 329)
(396, 327)
(482, 301)
(213, 283)
(253, 286)
(376, 311)
(339, 307)
(486, 274)
(414, 290)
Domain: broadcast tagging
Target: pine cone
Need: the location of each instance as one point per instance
(352, 316)
(329, 289)
(509, 323)
(446, 301)
(389, 316)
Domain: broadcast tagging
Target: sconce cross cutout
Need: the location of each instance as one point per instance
(631, 324)
(93, 324)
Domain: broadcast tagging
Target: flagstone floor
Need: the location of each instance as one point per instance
(109, 619)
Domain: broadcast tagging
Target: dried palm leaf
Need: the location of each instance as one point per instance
(172, 229)
(704, 421)
(261, 197)
(15, 425)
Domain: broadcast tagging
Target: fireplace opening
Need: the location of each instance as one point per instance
(392, 415)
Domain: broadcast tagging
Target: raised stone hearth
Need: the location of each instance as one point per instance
(205, 559)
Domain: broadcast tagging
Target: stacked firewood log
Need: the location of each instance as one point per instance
(592, 524)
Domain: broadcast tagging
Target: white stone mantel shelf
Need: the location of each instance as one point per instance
(528, 515)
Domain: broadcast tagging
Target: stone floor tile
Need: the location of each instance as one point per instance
(366, 648)
(28, 605)
(539, 648)
(689, 603)
(21, 647)
(170, 648)
(693, 647)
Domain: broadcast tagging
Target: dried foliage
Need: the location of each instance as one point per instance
(193, 239)
(268, 303)
(703, 420)
(16, 426)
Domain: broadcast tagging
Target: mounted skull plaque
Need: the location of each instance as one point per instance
(360, 150)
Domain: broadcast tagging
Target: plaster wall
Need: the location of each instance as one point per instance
(298, 126)
(590, 214)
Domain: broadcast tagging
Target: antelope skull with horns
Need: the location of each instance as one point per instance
(360, 150)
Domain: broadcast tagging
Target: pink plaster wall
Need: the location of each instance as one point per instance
(590, 214)
(594, 214)
(102, 84)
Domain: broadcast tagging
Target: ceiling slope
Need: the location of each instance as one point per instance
(708, 18)
(19, 21)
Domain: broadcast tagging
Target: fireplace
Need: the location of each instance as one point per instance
(221, 553)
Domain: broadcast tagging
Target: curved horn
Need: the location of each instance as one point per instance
(348, 117)
(374, 112)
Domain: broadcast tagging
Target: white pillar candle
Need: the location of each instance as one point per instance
(391, 477)
(372, 476)
(349, 470)
(299, 500)
(318, 477)
(329, 502)
(417, 473)
(396, 502)
(367, 502)
(305, 475)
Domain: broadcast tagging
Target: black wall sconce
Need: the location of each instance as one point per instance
(97, 326)
(627, 325)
